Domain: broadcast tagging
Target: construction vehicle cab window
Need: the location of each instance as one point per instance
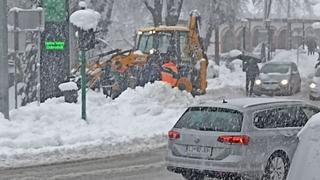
(172, 54)
(165, 42)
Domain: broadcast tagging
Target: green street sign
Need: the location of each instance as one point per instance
(54, 45)
(55, 10)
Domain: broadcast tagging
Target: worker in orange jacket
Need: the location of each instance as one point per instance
(169, 73)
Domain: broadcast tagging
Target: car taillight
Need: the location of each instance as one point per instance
(173, 135)
(241, 139)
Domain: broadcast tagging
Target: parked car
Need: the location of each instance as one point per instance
(238, 138)
(278, 78)
(314, 86)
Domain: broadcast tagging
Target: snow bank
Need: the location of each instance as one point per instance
(306, 161)
(139, 118)
(228, 78)
(234, 53)
(85, 19)
(56, 126)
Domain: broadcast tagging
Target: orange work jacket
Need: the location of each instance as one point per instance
(169, 73)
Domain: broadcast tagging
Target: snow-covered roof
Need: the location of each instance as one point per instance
(241, 103)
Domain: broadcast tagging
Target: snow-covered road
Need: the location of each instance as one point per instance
(138, 166)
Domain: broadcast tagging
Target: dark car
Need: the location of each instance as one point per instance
(278, 78)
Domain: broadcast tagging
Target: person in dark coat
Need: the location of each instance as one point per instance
(318, 61)
(252, 71)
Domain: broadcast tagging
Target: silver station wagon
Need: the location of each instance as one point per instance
(247, 138)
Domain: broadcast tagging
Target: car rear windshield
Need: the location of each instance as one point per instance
(211, 119)
(275, 68)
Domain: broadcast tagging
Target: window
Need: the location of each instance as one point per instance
(266, 118)
(275, 68)
(310, 111)
(289, 116)
(211, 119)
(145, 42)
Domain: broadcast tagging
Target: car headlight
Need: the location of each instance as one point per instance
(258, 82)
(284, 82)
(313, 85)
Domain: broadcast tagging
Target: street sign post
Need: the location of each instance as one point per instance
(21, 21)
(4, 79)
(86, 42)
(55, 47)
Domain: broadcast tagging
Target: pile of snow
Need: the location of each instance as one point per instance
(212, 70)
(56, 127)
(306, 160)
(234, 53)
(233, 77)
(68, 86)
(316, 25)
(85, 19)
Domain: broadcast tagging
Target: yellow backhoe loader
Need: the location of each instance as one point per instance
(143, 64)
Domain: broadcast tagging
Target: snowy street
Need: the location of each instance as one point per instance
(145, 165)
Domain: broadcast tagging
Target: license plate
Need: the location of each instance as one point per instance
(199, 151)
(271, 87)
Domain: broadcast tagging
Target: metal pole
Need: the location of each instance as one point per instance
(216, 45)
(269, 42)
(16, 58)
(244, 38)
(4, 77)
(298, 56)
(38, 66)
(289, 35)
(303, 34)
(83, 85)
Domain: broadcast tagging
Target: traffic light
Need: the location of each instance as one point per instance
(87, 39)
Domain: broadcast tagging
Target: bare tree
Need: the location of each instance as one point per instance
(156, 11)
(287, 8)
(173, 12)
(220, 12)
(105, 9)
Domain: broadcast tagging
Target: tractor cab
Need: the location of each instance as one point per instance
(168, 41)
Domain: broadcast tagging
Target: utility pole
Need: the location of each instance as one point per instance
(216, 44)
(289, 29)
(16, 56)
(4, 77)
(267, 21)
(83, 85)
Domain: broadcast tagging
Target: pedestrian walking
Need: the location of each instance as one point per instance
(252, 71)
(318, 60)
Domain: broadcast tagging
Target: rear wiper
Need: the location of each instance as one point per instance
(206, 129)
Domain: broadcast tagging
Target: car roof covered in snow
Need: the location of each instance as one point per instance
(165, 28)
(243, 103)
(281, 62)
